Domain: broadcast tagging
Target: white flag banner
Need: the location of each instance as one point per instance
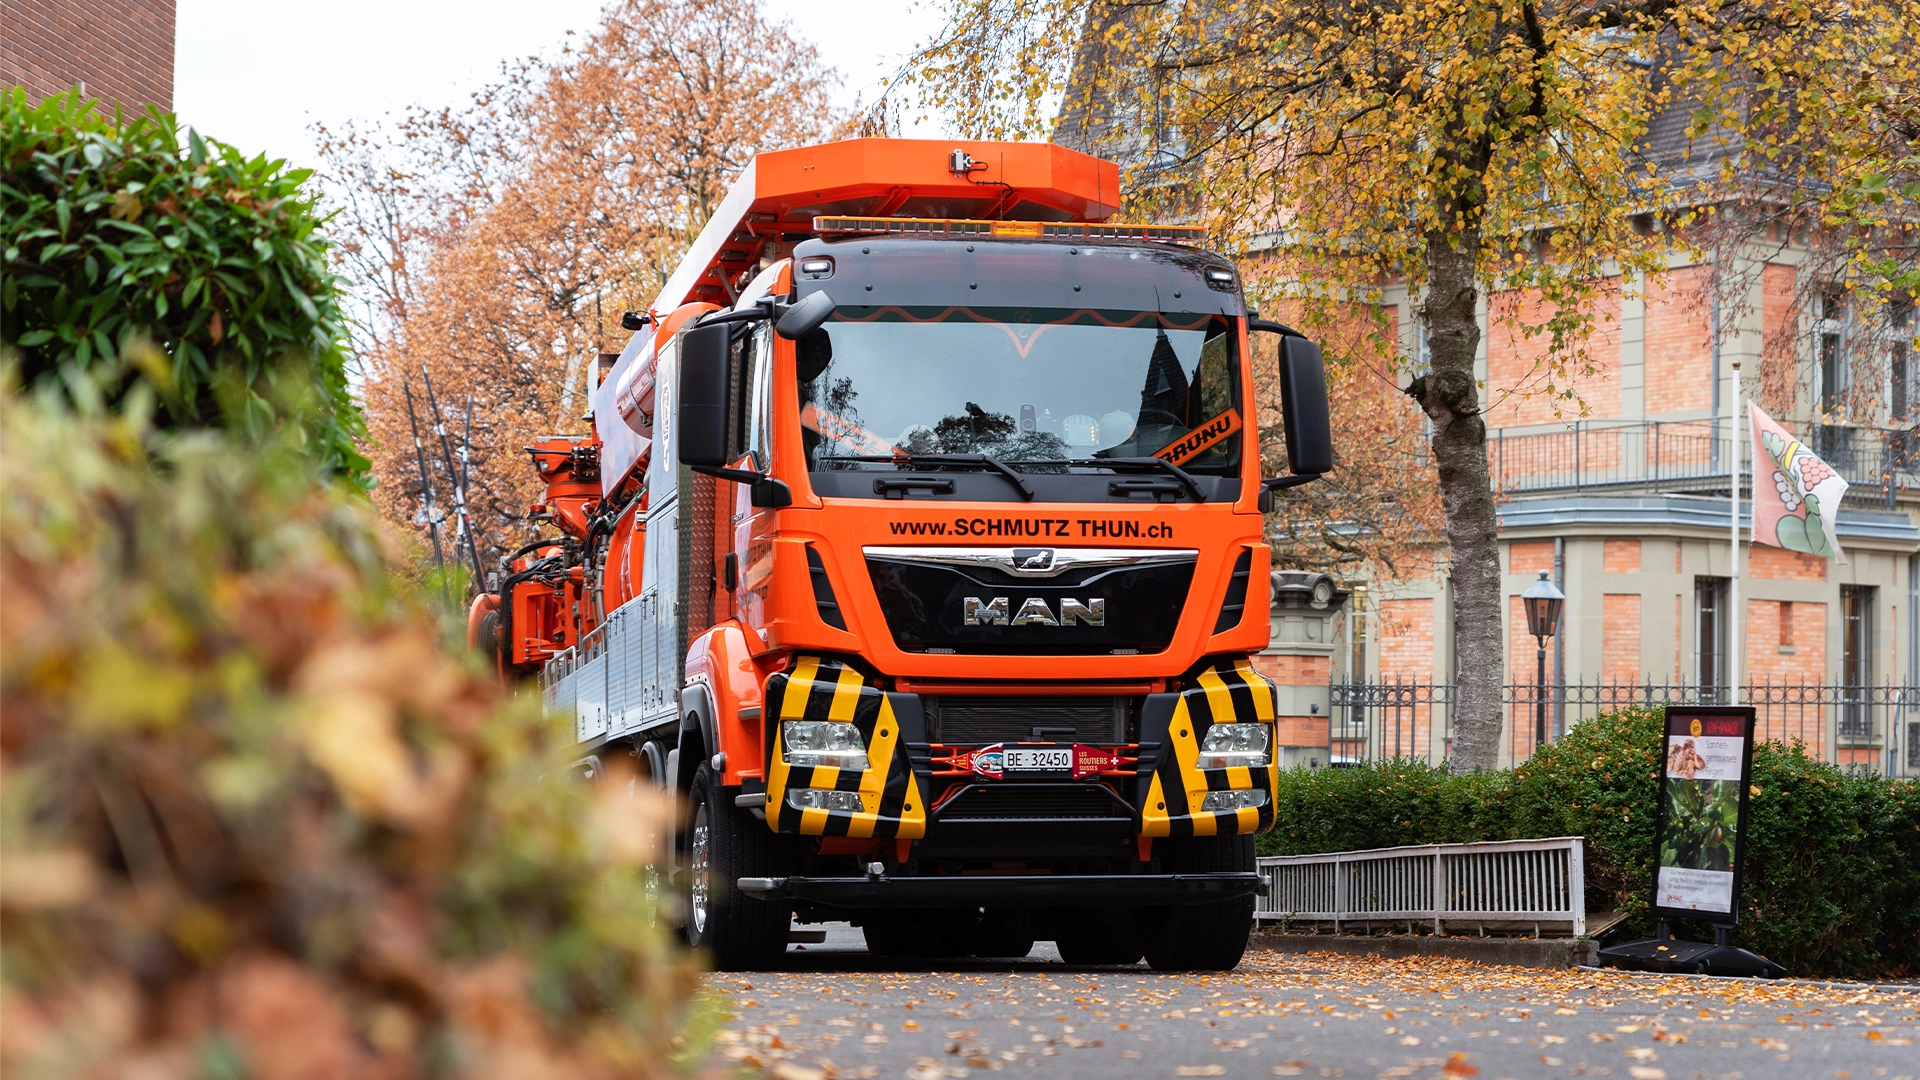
(1796, 496)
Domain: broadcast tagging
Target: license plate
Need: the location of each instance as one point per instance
(1039, 760)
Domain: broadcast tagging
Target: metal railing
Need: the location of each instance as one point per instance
(1862, 727)
(1507, 885)
(1665, 456)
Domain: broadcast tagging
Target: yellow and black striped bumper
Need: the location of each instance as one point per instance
(892, 801)
(1227, 692)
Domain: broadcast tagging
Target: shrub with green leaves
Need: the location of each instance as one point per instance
(1832, 872)
(179, 276)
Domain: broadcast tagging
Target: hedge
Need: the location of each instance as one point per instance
(259, 821)
(175, 276)
(1832, 883)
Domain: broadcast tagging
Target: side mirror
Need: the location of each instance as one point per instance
(704, 393)
(805, 317)
(1303, 410)
(1303, 407)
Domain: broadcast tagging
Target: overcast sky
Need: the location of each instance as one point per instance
(256, 75)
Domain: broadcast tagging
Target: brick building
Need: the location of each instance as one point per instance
(119, 51)
(1626, 509)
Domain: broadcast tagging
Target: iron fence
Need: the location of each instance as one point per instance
(1862, 727)
(1502, 885)
(1649, 456)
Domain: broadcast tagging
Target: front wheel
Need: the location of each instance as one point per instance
(1201, 937)
(723, 845)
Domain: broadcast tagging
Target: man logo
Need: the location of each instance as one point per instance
(1033, 558)
(1035, 612)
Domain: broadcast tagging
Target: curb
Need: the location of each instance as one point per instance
(1507, 952)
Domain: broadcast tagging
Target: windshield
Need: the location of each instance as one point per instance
(1020, 385)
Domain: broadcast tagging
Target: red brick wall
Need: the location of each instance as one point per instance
(1406, 639)
(1294, 670)
(1774, 625)
(1778, 328)
(1529, 556)
(121, 49)
(1516, 379)
(1779, 564)
(1622, 557)
(1620, 637)
(1679, 345)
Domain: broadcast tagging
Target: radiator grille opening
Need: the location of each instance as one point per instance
(1003, 801)
(982, 721)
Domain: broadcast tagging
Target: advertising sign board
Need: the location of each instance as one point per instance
(1704, 783)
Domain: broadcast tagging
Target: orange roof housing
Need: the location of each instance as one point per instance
(780, 192)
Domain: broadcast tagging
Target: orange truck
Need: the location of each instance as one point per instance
(918, 544)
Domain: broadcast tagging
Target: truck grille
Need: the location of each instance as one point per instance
(1004, 801)
(983, 721)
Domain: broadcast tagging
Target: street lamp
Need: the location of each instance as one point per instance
(1543, 603)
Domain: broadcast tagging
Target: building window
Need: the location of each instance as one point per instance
(1913, 633)
(1710, 638)
(1833, 368)
(1900, 369)
(1856, 660)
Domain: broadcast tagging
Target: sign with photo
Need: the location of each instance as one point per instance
(1704, 782)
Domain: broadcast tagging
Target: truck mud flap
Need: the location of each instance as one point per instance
(1023, 890)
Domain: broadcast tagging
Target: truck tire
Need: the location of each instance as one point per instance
(1100, 936)
(1201, 937)
(723, 844)
(1004, 933)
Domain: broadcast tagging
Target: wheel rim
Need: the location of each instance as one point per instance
(701, 875)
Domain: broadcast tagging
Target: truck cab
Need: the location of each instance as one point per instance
(943, 565)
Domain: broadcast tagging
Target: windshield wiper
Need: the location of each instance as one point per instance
(1185, 477)
(979, 461)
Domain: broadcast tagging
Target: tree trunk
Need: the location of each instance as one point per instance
(1448, 396)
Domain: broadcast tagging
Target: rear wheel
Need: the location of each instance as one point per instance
(1201, 937)
(723, 845)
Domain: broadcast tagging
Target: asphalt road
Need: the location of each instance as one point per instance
(836, 1013)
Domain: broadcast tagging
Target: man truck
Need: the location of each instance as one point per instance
(917, 545)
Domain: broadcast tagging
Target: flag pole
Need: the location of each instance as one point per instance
(1735, 620)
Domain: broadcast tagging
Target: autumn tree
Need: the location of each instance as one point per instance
(1447, 146)
(497, 245)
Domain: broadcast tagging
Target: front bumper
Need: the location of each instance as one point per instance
(903, 794)
(1006, 890)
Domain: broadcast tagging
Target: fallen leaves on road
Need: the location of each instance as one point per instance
(1034, 1010)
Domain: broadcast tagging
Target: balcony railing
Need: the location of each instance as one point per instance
(1680, 456)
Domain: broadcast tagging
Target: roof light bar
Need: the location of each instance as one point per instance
(1179, 234)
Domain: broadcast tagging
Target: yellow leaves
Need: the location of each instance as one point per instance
(120, 689)
(631, 818)
(126, 206)
(45, 880)
(352, 699)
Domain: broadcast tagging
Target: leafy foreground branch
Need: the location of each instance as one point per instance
(257, 822)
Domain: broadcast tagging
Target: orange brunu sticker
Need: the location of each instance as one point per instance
(1200, 439)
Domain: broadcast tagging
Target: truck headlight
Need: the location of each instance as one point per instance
(1228, 745)
(821, 799)
(823, 743)
(1233, 800)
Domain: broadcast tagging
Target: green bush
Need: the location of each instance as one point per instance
(257, 820)
(1832, 875)
(187, 279)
